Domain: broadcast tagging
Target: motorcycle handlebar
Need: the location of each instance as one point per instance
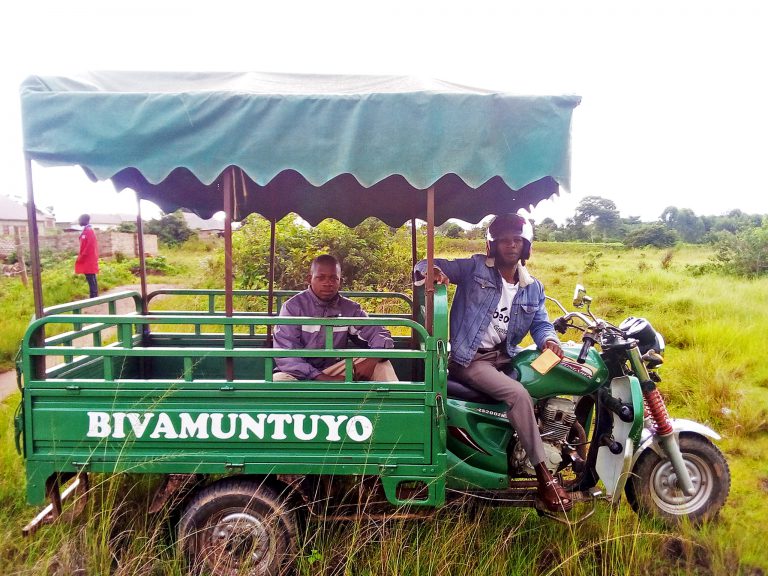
(588, 342)
(586, 320)
(560, 325)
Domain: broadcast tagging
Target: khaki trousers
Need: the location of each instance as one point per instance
(484, 374)
(383, 372)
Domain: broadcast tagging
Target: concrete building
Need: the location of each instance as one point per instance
(13, 216)
(101, 221)
(211, 228)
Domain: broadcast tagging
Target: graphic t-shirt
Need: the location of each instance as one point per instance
(497, 329)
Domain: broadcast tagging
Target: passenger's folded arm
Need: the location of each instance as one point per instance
(288, 337)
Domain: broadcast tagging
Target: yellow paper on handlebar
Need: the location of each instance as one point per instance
(545, 362)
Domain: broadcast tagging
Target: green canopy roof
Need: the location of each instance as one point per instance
(346, 147)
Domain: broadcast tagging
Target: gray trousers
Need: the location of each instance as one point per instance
(483, 374)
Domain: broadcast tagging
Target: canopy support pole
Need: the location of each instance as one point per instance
(34, 244)
(142, 260)
(414, 302)
(229, 182)
(143, 279)
(414, 256)
(416, 374)
(271, 296)
(38, 338)
(429, 288)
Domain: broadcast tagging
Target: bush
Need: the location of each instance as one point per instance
(657, 235)
(171, 229)
(154, 265)
(666, 260)
(744, 253)
(372, 255)
(590, 261)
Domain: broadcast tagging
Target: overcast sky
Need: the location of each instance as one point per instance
(674, 94)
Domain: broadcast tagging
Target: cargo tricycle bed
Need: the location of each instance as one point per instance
(189, 394)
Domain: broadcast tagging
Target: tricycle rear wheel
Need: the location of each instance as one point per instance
(238, 527)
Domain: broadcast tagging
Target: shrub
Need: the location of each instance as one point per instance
(657, 235)
(171, 229)
(744, 253)
(154, 265)
(666, 260)
(590, 261)
(372, 255)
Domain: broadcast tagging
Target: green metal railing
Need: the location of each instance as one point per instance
(130, 341)
(81, 321)
(212, 295)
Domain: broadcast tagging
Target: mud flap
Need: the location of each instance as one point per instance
(78, 490)
(614, 469)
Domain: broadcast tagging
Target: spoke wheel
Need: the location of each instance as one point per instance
(238, 527)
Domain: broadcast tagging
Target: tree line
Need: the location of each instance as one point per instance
(375, 255)
(739, 240)
(597, 219)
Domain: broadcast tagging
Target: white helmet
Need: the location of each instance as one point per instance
(514, 223)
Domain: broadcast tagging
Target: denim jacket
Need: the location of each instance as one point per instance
(478, 292)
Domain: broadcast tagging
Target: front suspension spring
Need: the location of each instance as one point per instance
(655, 405)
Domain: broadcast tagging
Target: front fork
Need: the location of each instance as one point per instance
(657, 410)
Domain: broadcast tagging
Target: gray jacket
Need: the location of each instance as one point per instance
(313, 336)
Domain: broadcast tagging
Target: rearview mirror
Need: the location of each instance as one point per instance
(579, 296)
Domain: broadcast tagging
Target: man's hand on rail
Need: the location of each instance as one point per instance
(440, 277)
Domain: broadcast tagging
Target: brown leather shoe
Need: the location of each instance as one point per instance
(549, 493)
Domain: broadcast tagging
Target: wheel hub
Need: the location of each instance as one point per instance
(666, 491)
(240, 538)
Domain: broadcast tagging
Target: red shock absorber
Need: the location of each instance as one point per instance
(654, 404)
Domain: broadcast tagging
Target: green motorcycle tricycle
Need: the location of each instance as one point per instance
(189, 394)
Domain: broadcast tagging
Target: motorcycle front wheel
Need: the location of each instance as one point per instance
(653, 490)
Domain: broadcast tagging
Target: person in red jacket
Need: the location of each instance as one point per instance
(88, 258)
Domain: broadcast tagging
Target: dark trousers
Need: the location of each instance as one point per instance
(484, 374)
(93, 287)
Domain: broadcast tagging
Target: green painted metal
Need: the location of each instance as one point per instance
(160, 402)
(638, 405)
(212, 297)
(567, 378)
(464, 476)
(486, 459)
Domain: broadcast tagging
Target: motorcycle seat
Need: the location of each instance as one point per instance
(459, 391)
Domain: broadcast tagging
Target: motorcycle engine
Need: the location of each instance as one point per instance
(556, 417)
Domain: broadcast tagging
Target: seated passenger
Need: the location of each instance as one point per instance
(322, 300)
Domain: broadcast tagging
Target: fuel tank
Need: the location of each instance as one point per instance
(566, 378)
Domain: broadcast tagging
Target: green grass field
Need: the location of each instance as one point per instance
(714, 373)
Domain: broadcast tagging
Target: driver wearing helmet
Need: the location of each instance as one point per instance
(497, 303)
